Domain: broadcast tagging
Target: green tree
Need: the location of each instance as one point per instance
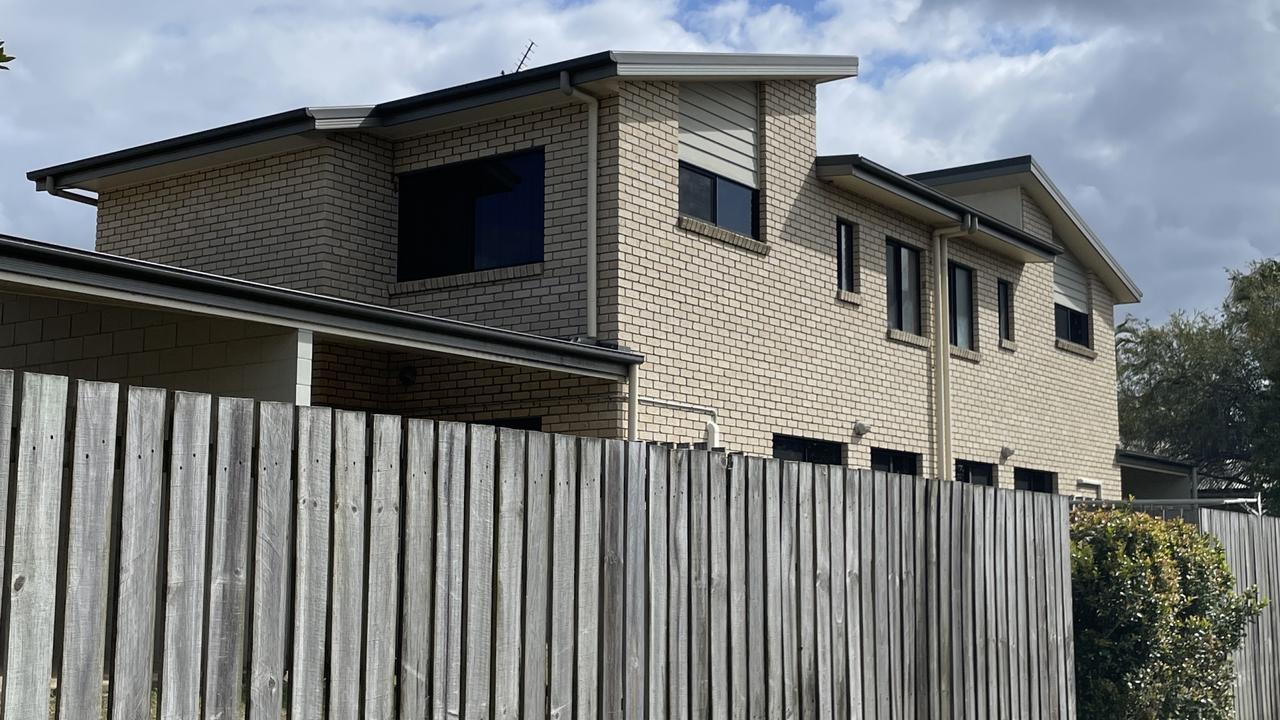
(1156, 618)
(1205, 387)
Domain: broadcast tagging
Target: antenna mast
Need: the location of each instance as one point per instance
(524, 58)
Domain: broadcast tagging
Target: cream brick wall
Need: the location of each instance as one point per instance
(144, 347)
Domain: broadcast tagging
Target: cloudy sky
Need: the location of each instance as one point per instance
(1159, 120)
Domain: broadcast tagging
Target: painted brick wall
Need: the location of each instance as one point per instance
(146, 347)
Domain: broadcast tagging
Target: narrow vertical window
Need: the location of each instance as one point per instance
(846, 256)
(961, 292)
(902, 273)
(1004, 301)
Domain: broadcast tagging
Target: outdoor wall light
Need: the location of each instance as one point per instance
(860, 428)
(1006, 452)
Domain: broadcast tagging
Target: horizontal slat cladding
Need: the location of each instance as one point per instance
(718, 128)
(1070, 283)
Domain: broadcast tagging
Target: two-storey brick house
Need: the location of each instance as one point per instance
(673, 205)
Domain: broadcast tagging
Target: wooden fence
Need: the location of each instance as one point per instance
(1252, 545)
(218, 557)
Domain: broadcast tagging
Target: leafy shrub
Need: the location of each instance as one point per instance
(1156, 618)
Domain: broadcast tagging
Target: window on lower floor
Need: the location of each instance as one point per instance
(717, 200)
(902, 276)
(1033, 480)
(895, 461)
(960, 285)
(976, 473)
(823, 452)
(468, 216)
(517, 423)
(846, 256)
(1071, 325)
(1004, 303)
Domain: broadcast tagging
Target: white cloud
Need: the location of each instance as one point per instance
(1156, 121)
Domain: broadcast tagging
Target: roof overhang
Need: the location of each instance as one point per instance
(1138, 460)
(42, 269)
(883, 186)
(1076, 235)
(478, 101)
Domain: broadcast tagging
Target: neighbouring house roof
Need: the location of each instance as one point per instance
(40, 268)
(877, 182)
(470, 102)
(1076, 235)
(1139, 460)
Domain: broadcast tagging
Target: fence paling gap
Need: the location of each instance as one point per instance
(466, 572)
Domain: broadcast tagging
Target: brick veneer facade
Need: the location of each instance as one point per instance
(755, 330)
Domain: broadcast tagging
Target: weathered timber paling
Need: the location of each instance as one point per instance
(458, 571)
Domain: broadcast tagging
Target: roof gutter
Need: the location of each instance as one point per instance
(51, 187)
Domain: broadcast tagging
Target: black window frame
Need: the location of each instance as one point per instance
(1004, 304)
(526, 422)
(1072, 326)
(1032, 480)
(424, 251)
(803, 449)
(975, 473)
(712, 214)
(895, 251)
(899, 462)
(846, 255)
(953, 268)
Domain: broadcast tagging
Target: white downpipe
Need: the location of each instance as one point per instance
(942, 344)
(713, 425)
(593, 132)
(633, 403)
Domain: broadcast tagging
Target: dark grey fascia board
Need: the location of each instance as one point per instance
(829, 166)
(42, 261)
(1148, 461)
(235, 135)
(1027, 164)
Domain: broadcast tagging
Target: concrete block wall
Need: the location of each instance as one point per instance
(146, 347)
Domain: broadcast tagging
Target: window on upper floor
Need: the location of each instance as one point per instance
(902, 275)
(846, 256)
(976, 473)
(895, 461)
(960, 284)
(823, 452)
(1071, 300)
(717, 200)
(468, 216)
(1033, 480)
(1004, 304)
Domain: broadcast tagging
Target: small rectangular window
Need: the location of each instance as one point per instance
(1033, 480)
(903, 280)
(961, 292)
(976, 473)
(823, 452)
(718, 200)
(516, 423)
(468, 216)
(1071, 325)
(1004, 301)
(895, 461)
(847, 256)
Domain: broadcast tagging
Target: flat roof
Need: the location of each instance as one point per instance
(269, 133)
(41, 268)
(1141, 460)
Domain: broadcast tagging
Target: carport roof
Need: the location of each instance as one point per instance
(41, 268)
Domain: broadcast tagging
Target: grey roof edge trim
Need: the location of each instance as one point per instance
(1028, 164)
(290, 122)
(53, 262)
(1150, 461)
(693, 64)
(834, 165)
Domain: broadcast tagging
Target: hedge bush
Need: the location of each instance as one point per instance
(1156, 618)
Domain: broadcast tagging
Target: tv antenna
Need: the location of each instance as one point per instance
(525, 57)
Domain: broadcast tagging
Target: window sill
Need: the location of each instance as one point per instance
(966, 354)
(716, 232)
(906, 338)
(1075, 349)
(849, 296)
(472, 278)
(1009, 345)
